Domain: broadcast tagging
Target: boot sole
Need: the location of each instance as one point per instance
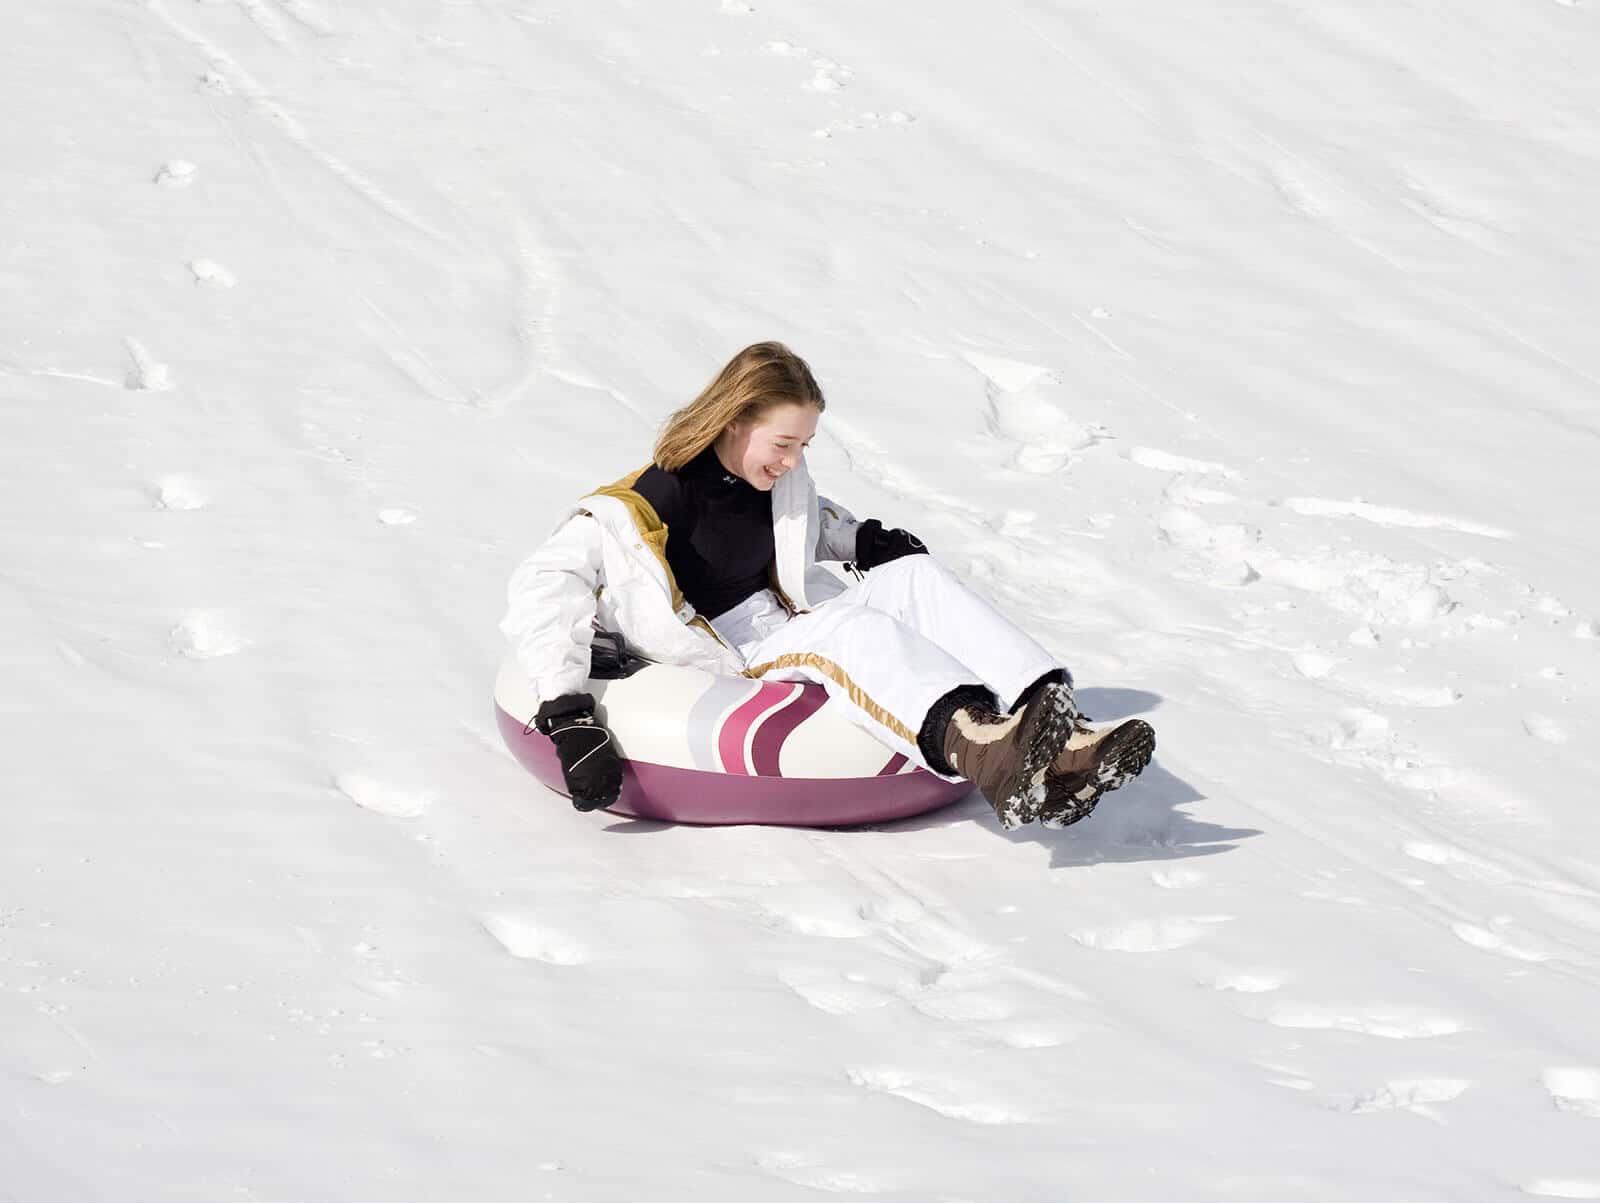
(1123, 756)
(1051, 728)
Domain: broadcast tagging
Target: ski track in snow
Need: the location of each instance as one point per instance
(237, 81)
(928, 964)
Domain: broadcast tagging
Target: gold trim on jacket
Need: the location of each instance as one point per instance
(651, 529)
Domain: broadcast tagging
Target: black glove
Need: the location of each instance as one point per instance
(589, 763)
(875, 546)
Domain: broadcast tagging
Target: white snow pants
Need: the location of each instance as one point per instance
(890, 646)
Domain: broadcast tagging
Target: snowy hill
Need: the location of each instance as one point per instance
(1245, 353)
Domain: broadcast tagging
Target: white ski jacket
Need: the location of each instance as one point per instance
(607, 560)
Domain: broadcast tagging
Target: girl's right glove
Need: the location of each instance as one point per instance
(875, 546)
(589, 762)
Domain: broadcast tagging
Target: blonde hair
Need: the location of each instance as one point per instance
(756, 379)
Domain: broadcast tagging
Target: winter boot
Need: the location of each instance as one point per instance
(1007, 756)
(1093, 763)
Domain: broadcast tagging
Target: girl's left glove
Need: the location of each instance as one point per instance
(875, 546)
(589, 763)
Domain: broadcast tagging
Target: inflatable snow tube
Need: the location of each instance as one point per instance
(701, 748)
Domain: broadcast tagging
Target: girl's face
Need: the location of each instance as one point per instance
(762, 449)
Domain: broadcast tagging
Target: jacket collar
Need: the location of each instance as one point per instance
(794, 529)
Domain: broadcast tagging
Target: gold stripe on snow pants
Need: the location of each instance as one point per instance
(841, 678)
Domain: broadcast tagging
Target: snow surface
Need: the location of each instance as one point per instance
(1245, 352)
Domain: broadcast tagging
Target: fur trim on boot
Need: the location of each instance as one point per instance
(1008, 755)
(1059, 675)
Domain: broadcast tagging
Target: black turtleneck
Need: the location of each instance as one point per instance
(719, 531)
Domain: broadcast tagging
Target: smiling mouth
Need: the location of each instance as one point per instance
(773, 474)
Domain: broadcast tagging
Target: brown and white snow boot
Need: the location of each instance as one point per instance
(1007, 756)
(1092, 763)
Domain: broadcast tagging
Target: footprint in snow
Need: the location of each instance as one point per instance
(966, 1006)
(1380, 515)
(1027, 406)
(1292, 1083)
(1043, 437)
(1149, 935)
(146, 374)
(948, 1099)
(1420, 696)
(1029, 1035)
(203, 635)
(212, 274)
(382, 797)
(1563, 1188)
(1573, 1089)
(1459, 864)
(1248, 983)
(807, 912)
(834, 993)
(397, 517)
(178, 173)
(828, 76)
(1225, 549)
(867, 121)
(810, 1172)
(530, 940)
(1356, 729)
(1418, 1095)
(1167, 461)
(1494, 939)
(180, 493)
(1552, 607)
(1545, 728)
(1314, 666)
(1389, 1023)
(1182, 490)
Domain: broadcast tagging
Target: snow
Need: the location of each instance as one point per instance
(1244, 353)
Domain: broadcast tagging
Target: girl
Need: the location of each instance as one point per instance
(709, 557)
